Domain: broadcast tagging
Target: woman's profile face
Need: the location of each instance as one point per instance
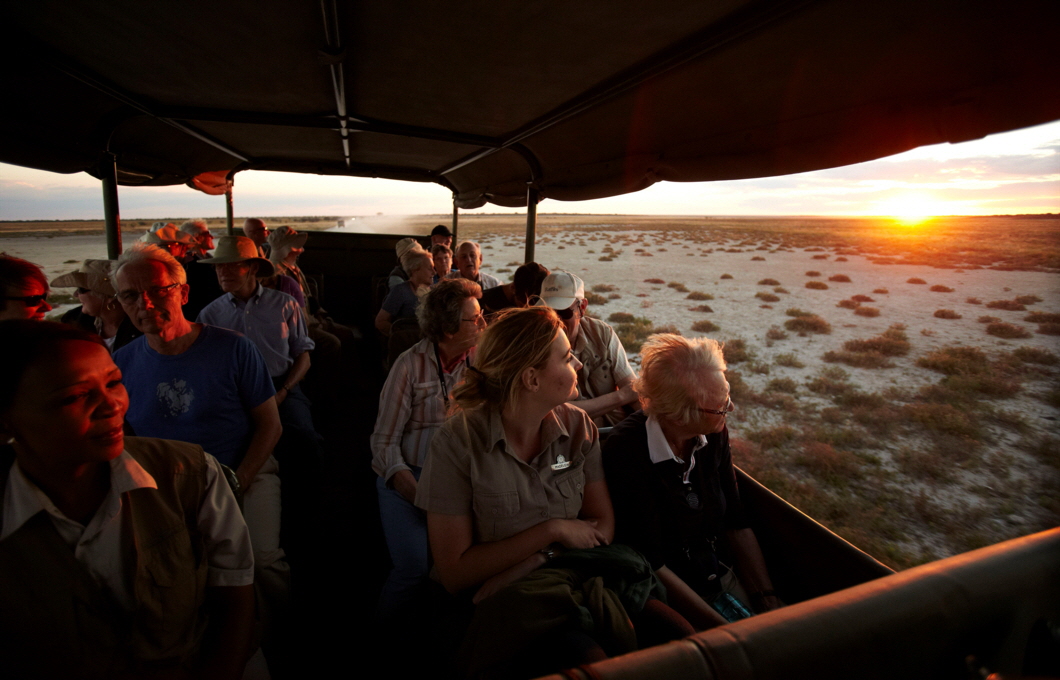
(91, 303)
(69, 408)
(22, 309)
(714, 384)
(559, 377)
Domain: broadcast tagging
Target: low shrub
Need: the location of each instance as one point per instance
(859, 359)
(795, 311)
(938, 288)
(840, 259)
(1007, 330)
(759, 367)
(775, 333)
(705, 326)
(808, 324)
(881, 291)
(881, 344)
(786, 385)
(699, 295)
(848, 304)
(973, 301)
(955, 360)
(701, 308)
(1028, 299)
(725, 276)
(988, 319)
(632, 334)
(1006, 305)
(1042, 317)
(813, 273)
(820, 257)
(942, 418)
(603, 288)
(676, 285)
(769, 282)
(867, 311)
(767, 297)
(758, 258)
(614, 296)
(735, 351)
(1034, 355)
(1048, 329)
(621, 317)
(861, 298)
(781, 289)
(596, 299)
(788, 360)
(830, 381)
(816, 285)
(839, 278)
(946, 314)
(916, 281)
(504, 270)
(656, 281)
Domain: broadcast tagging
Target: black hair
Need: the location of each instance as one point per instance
(24, 342)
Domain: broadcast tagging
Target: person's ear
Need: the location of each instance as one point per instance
(531, 379)
(184, 288)
(584, 304)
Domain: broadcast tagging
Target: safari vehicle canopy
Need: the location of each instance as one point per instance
(508, 103)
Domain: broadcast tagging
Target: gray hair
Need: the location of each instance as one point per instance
(439, 310)
(671, 367)
(441, 248)
(145, 252)
(416, 259)
(194, 227)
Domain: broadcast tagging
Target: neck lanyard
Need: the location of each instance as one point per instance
(441, 374)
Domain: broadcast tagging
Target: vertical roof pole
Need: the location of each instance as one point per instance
(532, 197)
(228, 211)
(109, 170)
(456, 221)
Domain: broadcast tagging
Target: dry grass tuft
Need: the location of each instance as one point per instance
(603, 288)
(621, 317)
(596, 299)
(699, 295)
(781, 289)
(867, 311)
(758, 258)
(1042, 317)
(973, 301)
(859, 359)
(767, 297)
(830, 381)
(955, 360)
(786, 385)
(820, 257)
(816, 285)
(893, 342)
(735, 351)
(1028, 299)
(808, 324)
(701, 308)
(988, 319)
(725, 276)
(1034, 355)
(795, 311)
(656, 281)
(769, 282)
(775, 333)
(848, 304)
(678, 286)
(881, 291)
(917, 281)
(939, 288)
(813, 273)
(861, 298)
(705, 326)
(839, 278)
(946, 314)
(1008, 331)
(1048, 329)
(1006, 305)
(788, 360)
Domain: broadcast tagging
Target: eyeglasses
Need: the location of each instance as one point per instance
(729, 408)
(568, 313)
(29, 300)
(131, 297)
(477, 319)
(83, 291)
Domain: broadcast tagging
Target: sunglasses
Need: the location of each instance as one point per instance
(29, 300)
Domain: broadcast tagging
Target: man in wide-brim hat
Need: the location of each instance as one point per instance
(171, 239)
(231, 249)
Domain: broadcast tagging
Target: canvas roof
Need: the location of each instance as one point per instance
(582, 99)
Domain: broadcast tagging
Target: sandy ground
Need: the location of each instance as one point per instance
(675, 258)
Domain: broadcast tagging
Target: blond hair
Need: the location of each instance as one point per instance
(145, 252)
(415, 259)
(517, 339)
(671, 370)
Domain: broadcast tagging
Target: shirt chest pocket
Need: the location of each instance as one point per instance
(424, 408)
(571, 485)
(495, 514)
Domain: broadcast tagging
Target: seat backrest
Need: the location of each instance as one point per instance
(404, 333)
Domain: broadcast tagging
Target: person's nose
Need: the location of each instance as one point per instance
(575, 363)
(47, 306)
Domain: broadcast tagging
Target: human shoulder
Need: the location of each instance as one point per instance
(628, 436)
(165, 456)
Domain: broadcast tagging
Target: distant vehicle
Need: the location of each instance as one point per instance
(509, 103)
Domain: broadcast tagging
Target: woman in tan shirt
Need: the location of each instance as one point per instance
(516, 469)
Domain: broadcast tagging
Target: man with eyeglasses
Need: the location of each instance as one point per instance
(605, 380)
(204, 385)
(673, 486)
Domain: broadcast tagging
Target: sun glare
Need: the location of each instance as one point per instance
(912, 209)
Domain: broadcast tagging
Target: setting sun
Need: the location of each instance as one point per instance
(912, 209)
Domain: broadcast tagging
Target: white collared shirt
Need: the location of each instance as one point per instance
(659, 449)
(98, 545)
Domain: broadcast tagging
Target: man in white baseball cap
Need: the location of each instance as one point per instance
(605, 380)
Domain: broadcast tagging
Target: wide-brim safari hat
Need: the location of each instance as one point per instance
(94, 275)
(286, 237)
(167, 234)
(238, 249)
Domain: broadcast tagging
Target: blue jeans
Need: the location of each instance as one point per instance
(405, 529)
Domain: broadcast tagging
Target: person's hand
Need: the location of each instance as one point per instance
(509, 576)
(627, 394)
(577, 533)
(244, 479)
(281, 394)
(404, 482)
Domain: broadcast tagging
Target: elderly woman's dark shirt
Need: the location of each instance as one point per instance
(652, 512)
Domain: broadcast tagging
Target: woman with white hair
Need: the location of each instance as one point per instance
(669, 469)
(402, 300)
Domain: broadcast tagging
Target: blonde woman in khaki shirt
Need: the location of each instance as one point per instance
(517, 469)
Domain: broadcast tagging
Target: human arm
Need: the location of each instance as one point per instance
(267, 431)
(687, 602)
(395, 411)
(294, 376)
(605, 403)
(462, 564)
(229, 634)
(751, 566)
(383, 322)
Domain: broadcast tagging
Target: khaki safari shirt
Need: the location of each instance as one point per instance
(471, 471)
(604, 365)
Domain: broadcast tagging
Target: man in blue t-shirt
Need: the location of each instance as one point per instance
(204, 385)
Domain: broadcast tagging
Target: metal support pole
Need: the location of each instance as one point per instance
(531, 222)
(228, 212)
(456, 220)
(111, 215)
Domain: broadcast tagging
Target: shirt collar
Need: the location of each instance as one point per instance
(552, 429)
(255, 296)
(23, 499)
(659, 449)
